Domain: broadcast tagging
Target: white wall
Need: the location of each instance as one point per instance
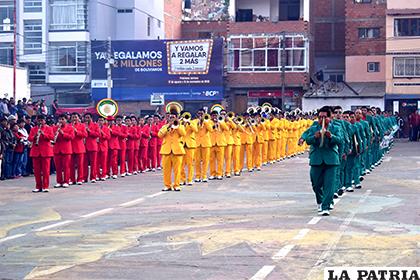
(309, 104)
(6, 83)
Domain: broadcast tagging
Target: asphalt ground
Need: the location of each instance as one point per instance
(262, 225)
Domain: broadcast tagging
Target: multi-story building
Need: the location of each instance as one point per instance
(53, 38)
(403, 56)
(263, 38)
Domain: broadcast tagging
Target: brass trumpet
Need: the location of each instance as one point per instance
(220, 118)
(238, 120)
(186, 118)
(230, 115)
(323, 130)
(251, 110)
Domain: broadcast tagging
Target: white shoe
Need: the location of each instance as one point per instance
(36, 190)
(182, 183)
(237, 174)
(349, 189)
(79, 183)
(324, 213)
(228, 175)
(250, 170)
(153, 169)
(190, 183)
(129, 174)
(258, 169)
(103, 179)
(45, 190)
(197, 180)
(57, 186)
(93, 181)
(219, 178)
(211, 178)
(159, 168)
(135, 173)
(123, 175)
(71, 183)
(114, 177)
(204, 180)
(65, 185)
(331, 206)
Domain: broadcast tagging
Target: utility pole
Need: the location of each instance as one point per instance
(108, 66)
(283, 69)
(14, 49)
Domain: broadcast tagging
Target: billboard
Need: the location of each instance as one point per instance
(179, 70)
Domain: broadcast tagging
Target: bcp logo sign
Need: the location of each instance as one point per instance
(210, 93)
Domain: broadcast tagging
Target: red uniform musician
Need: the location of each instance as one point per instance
(114, 147)
(152, 152)
(63, 136)
(104, 136)
(144, 145)
(136, 128)
(131, 142)
(41, 153)
(92, 139)
(123, 145)
(79, 149)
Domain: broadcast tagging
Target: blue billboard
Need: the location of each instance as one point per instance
(179, 70)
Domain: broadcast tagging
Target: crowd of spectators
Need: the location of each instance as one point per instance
(16, 122)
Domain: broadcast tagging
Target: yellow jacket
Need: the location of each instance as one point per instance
(218, 134)
(275, 122)
(237, 134)
(229, 133)
(203, 138)
(249, 135)
(172, 140)
(261, 130)
(190, 138)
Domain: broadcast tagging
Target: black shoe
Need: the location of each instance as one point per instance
(340, 192)
(361, 178)
(359, 186)
(335, 195)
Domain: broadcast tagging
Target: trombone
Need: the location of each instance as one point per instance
(186, 118)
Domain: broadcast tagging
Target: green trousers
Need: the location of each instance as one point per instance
(324, 180)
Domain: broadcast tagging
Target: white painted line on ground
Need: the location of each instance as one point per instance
(54, 225)
(302, 233)
(97, 213)
(263, 272)
(314, 220)
(133, 202)
(283, 252)
(163, 244)
(388, 159)
(155, 194)
(12, 237)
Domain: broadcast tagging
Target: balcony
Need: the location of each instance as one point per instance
(269, 10)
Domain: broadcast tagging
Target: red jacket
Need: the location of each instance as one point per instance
(104, 138)
(154, 133)
(79, 138)
(138, 136)
(114, 143)
(92, 139)
(132, 138)
(44, 147)
(19, 145)
(63, 145)
(123, 137)
(145, 136)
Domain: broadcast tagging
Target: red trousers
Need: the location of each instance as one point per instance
(130, 161)
(159, 157)
(91, 159)
(102, 164)
(41, 167)
(77, 163)
(123, 158)
(62, 166)
(136, 160)
(143, 157)
(113, 163)
(152, 157)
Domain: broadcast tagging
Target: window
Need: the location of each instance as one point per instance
(337, 78)
(149, 26)
(36, 73)
(6, 53)
(265, 53)
(69, 57)
(32, 6)
(289, 10)
(68, 14)
(407, 67)
(6, 16)
(125, 11)
(32, 36)
(407, 27)
(159, 23)
(205, 35)
(365, 33)
(373, 67)
(362, 1)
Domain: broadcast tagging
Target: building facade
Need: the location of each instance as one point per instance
(403, 56)
(53, 38)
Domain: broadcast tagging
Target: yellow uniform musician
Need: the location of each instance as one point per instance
(258, 152)
(272, 144)
(266, 135)
(191, 128)
(248, 138)
(230, 141)
(172, 151)
(219, 143)
(237, 133)
(203, 140)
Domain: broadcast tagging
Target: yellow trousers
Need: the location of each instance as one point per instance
(272, 149)
(237, 159)
(188, 164)
(217, 155)
(290, 148)
(171, 163)
(258, 154)
(246, 148)
(202, 159)
(228, 159)
(278, 149)
(265, 152)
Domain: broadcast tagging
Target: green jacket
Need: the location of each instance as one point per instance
(327, 154)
